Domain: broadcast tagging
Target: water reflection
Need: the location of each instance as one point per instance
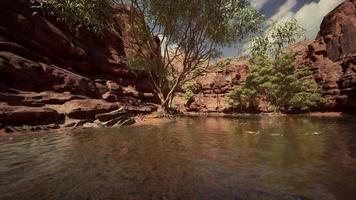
(250, 157)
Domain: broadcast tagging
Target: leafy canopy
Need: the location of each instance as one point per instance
(93, 15)
(278, 36)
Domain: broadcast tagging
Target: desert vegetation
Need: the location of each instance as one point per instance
(275, 77)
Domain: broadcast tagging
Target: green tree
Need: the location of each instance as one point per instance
(278, 36)
(274, 76)
(190, 34)
(93, 15)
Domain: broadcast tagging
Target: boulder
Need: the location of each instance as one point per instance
(21, 115)
(86, 108)
(110, 97)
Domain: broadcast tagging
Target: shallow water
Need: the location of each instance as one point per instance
(251, 157)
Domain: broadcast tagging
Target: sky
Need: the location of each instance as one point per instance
(309, 14)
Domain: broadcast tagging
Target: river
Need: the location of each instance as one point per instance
(251, 157)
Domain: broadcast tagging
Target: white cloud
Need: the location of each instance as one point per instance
(258, 3)
(285, 10)
(311, 15)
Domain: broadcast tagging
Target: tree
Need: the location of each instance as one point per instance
(190, 34)
(274, 76)
(278, 36)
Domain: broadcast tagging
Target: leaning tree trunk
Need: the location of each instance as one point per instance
(166, 103)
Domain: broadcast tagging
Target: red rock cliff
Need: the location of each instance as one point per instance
(332, 56)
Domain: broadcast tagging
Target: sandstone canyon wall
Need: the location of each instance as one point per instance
(332, 56)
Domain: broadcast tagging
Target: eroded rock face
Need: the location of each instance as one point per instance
(24, 74)
(325, 72)
(30, 40)
(45, 66)
(213, 88)
(332, 56)
(338, 30)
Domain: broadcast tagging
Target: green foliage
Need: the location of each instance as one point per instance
(223, 63)
(190, 90)
(242, 97)
(223, 20)
(137, 63)
(93, 15)
(278, 36)
(280, 83)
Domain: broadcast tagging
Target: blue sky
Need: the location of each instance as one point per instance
(309, 14)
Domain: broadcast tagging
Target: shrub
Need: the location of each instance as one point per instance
(191, 89)
(242, 98)
(280, 83)
(223, 63)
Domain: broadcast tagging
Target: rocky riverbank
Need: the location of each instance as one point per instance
(52, 78)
